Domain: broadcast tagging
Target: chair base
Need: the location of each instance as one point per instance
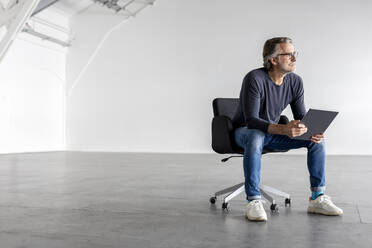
(239, 188)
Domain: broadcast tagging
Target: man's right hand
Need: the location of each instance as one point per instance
(295, 128)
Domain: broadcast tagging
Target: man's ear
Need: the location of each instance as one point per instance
(273, 61)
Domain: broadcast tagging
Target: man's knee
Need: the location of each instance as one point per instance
(313, 145)
(254, 139)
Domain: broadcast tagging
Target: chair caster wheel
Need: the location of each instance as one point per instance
(274, 208)
(225, 206)
(287, 202)
(213, 199)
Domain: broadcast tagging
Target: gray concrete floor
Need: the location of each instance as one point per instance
(76, 199)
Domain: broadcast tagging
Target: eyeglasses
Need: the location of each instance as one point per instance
(290, 55)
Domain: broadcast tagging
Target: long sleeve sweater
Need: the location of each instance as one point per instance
(261, 101)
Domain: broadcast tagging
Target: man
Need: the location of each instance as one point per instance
(265, 93)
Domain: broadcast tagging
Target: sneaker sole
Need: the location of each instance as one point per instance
(313, 210)
(257, 218)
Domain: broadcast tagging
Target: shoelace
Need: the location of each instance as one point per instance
(257, 202)
(326, 199)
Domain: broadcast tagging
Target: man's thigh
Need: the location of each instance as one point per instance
(244, 136)
(283, 142)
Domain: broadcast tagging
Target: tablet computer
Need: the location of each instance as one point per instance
(316, 121)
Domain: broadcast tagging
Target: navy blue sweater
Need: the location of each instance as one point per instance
(261, 101)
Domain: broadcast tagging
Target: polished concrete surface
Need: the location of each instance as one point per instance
(76, 199)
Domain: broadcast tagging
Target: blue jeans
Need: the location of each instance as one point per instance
(254, 140)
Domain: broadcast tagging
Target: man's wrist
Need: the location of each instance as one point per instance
(276, 129)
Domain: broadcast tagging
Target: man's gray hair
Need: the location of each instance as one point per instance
(270, 49)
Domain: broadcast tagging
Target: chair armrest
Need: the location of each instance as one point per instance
(222, 135)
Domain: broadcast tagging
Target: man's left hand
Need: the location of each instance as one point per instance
(317, 138)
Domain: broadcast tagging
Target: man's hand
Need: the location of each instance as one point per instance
(295, 128)
(317, 138)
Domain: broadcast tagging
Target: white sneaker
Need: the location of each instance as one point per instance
(256, 211)
(323, 205)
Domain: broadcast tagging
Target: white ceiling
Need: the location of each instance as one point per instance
(71, 7)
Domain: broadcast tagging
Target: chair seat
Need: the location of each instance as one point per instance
(265, 150)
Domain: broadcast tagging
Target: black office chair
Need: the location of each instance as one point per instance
(223, 143)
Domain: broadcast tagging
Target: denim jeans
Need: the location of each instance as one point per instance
(254, 140)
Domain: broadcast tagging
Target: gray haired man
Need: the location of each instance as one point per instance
(265, 93)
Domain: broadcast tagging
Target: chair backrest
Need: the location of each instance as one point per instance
(225, 106)
(222, 128)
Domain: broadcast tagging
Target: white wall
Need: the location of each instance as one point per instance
(32, 97)
(150, 86)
